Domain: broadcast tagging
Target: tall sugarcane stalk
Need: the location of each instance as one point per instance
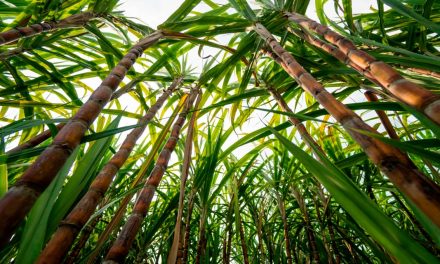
(244, 249)
(82, 240)
(65, 235)
(122, 244)
(371, 97)
(76, 20)
(35, 141)
(203, 240)
(17, 202)
(118, 215)
(404, 90)
(172, 256)
(308, 226)
(308, 139)
(282, 209)
(304, 134)
(392, 162)
(425, 72)
(186, 240)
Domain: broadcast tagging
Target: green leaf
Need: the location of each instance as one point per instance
(402, 9)
(362, 209)
(80, 179)
(34, 235)
(244, 9)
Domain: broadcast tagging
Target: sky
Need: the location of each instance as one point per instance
(155, 12)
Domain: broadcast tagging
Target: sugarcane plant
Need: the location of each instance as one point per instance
(233, 132)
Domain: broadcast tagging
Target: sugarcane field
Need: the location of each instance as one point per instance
(220, 131)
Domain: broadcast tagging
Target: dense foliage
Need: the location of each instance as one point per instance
(259, 165)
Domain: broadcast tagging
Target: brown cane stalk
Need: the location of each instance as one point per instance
(332, 50)
(122, 244)
(308, 225)
(65, 235)
(390, 129)
(243, 241)
(140, 176)
(371, 97)
(17, 202)
(201, 245)
(229, 244)
(332, 236)
(392, 162)
(76, 20)
(282, 208)
(259, 218)
(314, 146)
(186, 240)
(35, 141)
(172, 256)
(224, 245)
(85, 234)
(404, 90)
(308, 139)
(425, 72)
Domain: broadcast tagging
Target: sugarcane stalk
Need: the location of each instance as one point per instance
(371, 97)
(282, 209)
(332, 237)
(391, 161)
(172, 256)
(243, 241)
(76, 20)
(334, 51)
(259, 218)
(186, 240)
(85, 234)
(115, 221)
(304, 134)
(17, 202)
(35, 141)
(125, 89)
(425, 72)
(229, 244)
(122, 244)
(201, 245)
(65, 235)
(309, 229)
(224, 245)
(404, 90)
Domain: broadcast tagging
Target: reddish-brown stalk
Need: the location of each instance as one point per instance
(76, 20)
(392, 162)
(35, 141)
(404, 90)
(65, 235)
(122, 245)
(119, 214)
(17, 202)
(172, 256)
(382, 116)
